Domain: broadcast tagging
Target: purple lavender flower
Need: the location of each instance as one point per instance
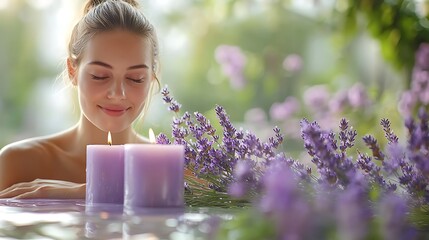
(353, 214)
(339, 101)
(162, 139)
(358, 96)
(422, 56)
(232, 61)
(347, 137)
(388, 133)
(424, 117)
(372, 143)
(407, 102)
(244, 179)
(365, 163)
(317, 97)
(332, 165)
(285, 202)
(374, 173)
(420, 85)
(255, 116)
(414, 175)
(174, 106)
(393, 211)
(275, 142)
(395, 159)
(292, 63)
(166, 95)
(237, 190)
(419, 92)
(284, 110)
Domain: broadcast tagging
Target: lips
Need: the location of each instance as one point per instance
(114, 111)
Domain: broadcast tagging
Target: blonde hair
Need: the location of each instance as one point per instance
(107, 15)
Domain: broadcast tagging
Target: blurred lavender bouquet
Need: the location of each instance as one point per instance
(348, 194)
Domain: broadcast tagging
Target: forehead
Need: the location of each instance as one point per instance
(117, 45)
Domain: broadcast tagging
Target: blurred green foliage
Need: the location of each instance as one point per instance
(19, 65)
(396, 24)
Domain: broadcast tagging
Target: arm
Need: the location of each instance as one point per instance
(19, 177)
(45, 188)
(9, 166)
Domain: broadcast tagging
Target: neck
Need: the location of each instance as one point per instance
(87, 134)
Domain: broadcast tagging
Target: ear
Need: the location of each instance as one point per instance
(71, 70)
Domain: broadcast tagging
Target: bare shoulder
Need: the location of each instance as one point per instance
(32, 148)
(22, 149)
(20, 161)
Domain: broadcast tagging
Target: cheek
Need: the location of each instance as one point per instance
(85, 91)
(82, 85)
(89, 89)
(84, 97)
(88, 95)
(139, 94)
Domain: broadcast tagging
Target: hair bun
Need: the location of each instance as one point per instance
(93, 3)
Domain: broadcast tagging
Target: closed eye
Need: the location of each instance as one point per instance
(97, 77)
(140, 80)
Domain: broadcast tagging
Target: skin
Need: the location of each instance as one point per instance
(112, 82)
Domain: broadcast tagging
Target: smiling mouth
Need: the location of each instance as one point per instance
(115, 112)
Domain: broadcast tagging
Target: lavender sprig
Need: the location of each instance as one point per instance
(372, 143)
(333, 165)
(346, 136)
(390, 136)
(173, 104)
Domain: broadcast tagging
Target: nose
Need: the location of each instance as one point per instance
(116, 91)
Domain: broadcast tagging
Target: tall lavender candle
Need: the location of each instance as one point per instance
(105, 174)
(154, 175)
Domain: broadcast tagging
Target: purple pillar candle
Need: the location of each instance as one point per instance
(105, 174)
(154, 176)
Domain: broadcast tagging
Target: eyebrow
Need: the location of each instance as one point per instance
(103, 64)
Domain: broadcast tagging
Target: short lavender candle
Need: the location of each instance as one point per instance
(105, 174)
(154, 175)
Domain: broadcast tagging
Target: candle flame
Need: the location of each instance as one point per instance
(109, 138)
(152, 138)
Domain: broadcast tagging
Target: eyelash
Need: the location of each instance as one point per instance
(141, 80)
(97, 78)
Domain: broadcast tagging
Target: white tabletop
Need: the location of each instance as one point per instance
(73, 219)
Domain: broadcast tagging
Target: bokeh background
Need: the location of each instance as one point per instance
(268, 62)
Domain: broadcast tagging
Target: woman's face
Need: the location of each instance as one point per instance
(113, 79)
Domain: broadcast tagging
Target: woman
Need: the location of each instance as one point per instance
(112, 62)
